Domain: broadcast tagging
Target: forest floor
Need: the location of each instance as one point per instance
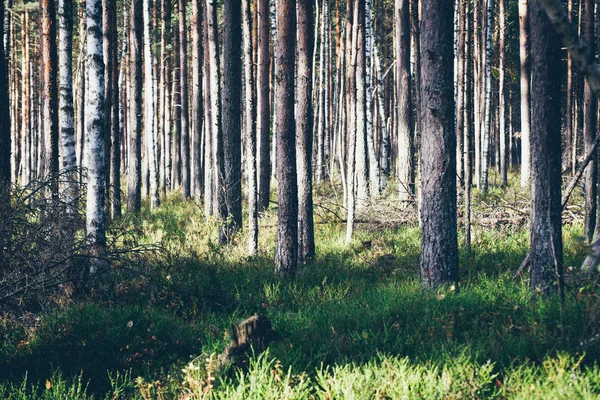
(354, 324)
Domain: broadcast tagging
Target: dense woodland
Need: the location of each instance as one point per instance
(144, 143)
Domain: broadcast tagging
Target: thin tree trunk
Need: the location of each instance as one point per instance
(590, 118)
(231, 101)
(250, 116)
(504, 146)
(149, 132)
(185, 130)
(263, 105)
(95, 218)
(286, 255)
(304, 124)
(4, 118)
(134, 165)
(525, 86)
(486, 129)
(67, 112)
(49, 90)
(403, 88)
(197, 101)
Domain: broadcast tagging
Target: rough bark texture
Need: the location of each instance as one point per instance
(250, 128)
(504, 139)
(263, 106)
(546, 234)
(361, 172)
(185, 130)
(524, 82)
(403, 88)
(231, 101)
(49, 89)
(439, 247)
(197, 101)
(590, 113)
(149, 96)
(486, 128)
(111, 108)
(94, 109)
(304, 135)
(134, 165)
(67, 111)
(286, 256)
(4, 116)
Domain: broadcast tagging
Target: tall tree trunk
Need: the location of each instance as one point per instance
(486, 129)
(197, 101)
(111, 108)
(209, 170)
(362, 186)
(164, 94)
(185, 131)
(546, 231)
(350, 123)
(26, 126)
(231, 101)
(382, 119)
(590, 118)
(373, 165)
(404, 105)
(525, 87)
(4, 118)
(569, 162)
(439, 247)
(460, 61)
(250, 116)
(504, 143)
(177, 110)
(95, 218)
(304, 134)
(263, 106)
(149, 132)
(67, 112)
(49, 90)
(467, 132)
(134, 165)
(286, 255)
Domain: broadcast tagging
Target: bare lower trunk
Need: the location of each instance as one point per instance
(250, 116)
(95, 218)
(263, 105)
(286, 255)
(525, 109)
(439, 247)
(546, 234)
(304, 134)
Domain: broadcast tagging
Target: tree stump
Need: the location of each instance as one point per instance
(254, 332)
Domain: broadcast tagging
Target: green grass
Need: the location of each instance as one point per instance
(354, 324)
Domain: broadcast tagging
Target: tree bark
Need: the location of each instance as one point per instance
(286, 256)
(546, 233)
(49, 92)
(183, 80)
(404, 122)
(134, 165)
(263, 106)
(590, 113)
(304, 134)
(197, 100)
(4, 118)
(525, 87)
(231, 101)
(250, 116)
(67, 111)
(439, 247)
(94, 108)
(504, 143)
